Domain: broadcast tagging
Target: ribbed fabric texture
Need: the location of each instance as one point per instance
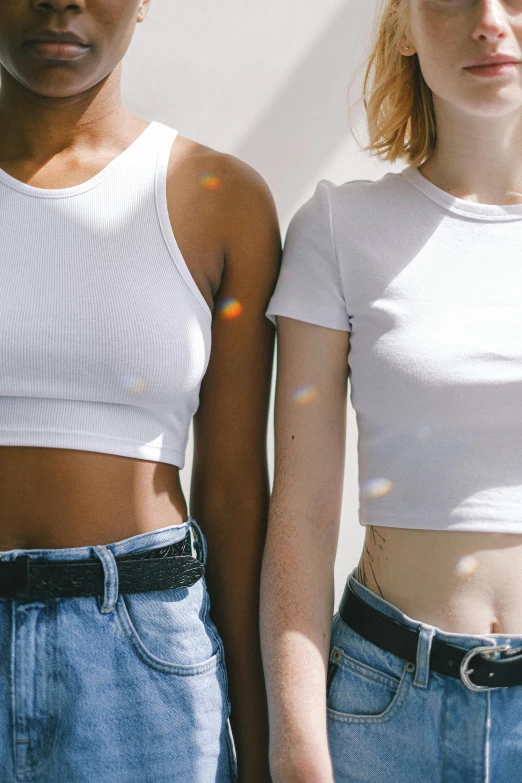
(104, 335)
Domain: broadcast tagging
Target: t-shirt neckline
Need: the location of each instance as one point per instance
(17, 184)
(470, 209)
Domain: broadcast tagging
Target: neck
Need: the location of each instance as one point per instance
(35, 127)
(479, 159)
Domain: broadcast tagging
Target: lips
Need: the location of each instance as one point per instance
(493, 65)
(55, 36)
(47, 50)
(54, 45)
(492, 60)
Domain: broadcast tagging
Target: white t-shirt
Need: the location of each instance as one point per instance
(430, 287)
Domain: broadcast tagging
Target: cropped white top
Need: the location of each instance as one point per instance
(430, 288)
(104, 335)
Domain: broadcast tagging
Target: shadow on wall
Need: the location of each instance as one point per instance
(308, 119)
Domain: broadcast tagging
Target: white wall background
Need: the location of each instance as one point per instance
(266, 81)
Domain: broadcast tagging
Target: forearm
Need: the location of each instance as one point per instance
(235, 533)
(296, 614)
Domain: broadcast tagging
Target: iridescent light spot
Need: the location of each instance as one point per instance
(210, 181)
(133, 383)
(304, 395)
(466, 565)
(424, 433)
(376, 488)
(230, 308)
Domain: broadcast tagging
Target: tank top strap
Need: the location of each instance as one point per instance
(137, 169)
(166, 138)
(151, 150)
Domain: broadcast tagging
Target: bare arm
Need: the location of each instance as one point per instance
(229, 493)
(297, 590)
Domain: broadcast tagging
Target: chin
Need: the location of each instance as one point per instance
(495, 109)
(495, 99)
(490, 101)
(62, 88)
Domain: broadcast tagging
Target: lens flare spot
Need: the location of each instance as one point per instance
(376, 488)
(133, 383)
(210, 181)
(304, 395)
(230, 308)
(467, 565)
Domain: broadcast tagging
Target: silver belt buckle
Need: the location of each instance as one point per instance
(465, 671)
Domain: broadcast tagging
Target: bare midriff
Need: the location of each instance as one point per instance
(55, 498)
(460, 582)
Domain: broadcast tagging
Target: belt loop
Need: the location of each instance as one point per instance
(198, 541)
(422, 669)
(23, 588)
(110, 578)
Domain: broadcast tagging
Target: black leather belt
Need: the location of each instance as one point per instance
(33, 579)
(477, 668)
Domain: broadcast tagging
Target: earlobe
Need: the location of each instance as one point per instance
(407, 49)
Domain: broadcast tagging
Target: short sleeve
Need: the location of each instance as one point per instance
(309, 287)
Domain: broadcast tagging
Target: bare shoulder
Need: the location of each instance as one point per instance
(224, 218)
(232, 183)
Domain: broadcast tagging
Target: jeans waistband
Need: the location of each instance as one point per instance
(106, 554)
(138, 543)
(467, 641)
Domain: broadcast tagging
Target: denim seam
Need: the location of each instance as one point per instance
(52, 727)
(182, 670)
(487, 739)
(210, 628)
(12, 675)
(394, 707)
(231, 753)
(47, 749)
(330, 675)
(368, 672)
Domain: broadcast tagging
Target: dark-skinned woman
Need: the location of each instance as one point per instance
(136, 268)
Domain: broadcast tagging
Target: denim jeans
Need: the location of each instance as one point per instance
(128, 688)
(390, 721)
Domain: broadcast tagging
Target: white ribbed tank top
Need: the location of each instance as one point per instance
(104, 335)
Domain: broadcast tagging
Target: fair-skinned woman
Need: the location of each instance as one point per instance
(413, 286)
(127, 250)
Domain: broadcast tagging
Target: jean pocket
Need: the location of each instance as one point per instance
(170, 630)
(359, 693)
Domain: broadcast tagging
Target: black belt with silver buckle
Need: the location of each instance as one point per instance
(477, 668)
(32, 578)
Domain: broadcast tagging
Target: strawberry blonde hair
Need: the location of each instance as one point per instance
(398, 102)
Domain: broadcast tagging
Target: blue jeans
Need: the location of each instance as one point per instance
(128, 688)
(390, 721)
